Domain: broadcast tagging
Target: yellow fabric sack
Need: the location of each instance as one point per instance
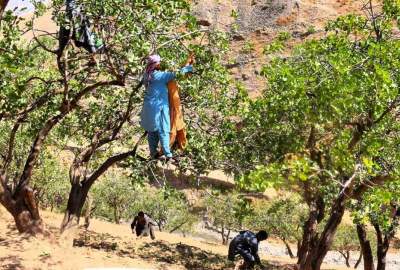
(178, 132)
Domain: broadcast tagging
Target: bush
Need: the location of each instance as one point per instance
(50, 183)
(346, 241)
(167, 207)
(112, 196)
(282, 218)
(227, 213)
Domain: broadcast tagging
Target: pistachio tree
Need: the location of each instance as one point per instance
(378, 208)
(44, 88)
(328, 116)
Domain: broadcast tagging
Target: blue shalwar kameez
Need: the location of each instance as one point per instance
(155, 117)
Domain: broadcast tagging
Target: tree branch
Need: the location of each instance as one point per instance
(111, 161)
(49, 124)
(363, 187)
(3, 4)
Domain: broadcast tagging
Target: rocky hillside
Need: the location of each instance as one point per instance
(254, 23)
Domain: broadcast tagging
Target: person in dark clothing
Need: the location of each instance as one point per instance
(81, 34)
(143, 225)
(245, 244)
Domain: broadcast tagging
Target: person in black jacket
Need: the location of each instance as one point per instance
(245, 244)
(78, 29)
(143, 225)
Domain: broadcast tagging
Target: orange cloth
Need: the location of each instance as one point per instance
(178, 132)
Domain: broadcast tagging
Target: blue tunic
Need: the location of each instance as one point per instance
(155, 111)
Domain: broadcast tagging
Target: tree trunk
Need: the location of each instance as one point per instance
(223, 235)
(309, 232)
(322, 245)
(3, 4)
(365, 248)
(88, 212)
(318, 252)
(359, 260)
(76, 200)
(80, 184)
(289, 250)
(22, 206)
(383, 242)
(347, 257)
(116, 214)
(298, 248)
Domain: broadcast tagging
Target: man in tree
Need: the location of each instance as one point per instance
(245, 244)
(82, 35)
(155, 117)
(144, 225)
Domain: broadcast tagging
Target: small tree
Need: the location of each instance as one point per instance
(49, 184)
(227, 212)
(345, 242)
(167, 207)
(378, 208)
(282, 218)
(113, 195)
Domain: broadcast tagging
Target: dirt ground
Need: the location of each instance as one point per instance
(110, 245)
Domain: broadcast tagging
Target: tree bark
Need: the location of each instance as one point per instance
(347, 258)
(382, 247)
(80, 186)
(223, 234)
(88, 212)
(3, 4)
(365, 248)
(318, 253)
(298, 248)
(288, 248)
(359, 260)
(22, 206)
(321, 246)
(20, 202)
(76, 200)
(309, 233)
(116, 214)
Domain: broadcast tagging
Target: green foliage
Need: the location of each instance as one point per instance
(50, 183)
(378, 206)
(327, 88)
(168, 207)
(311, 30)
(281, 218)
(328, 121)
(346, 240)
(278, 44)
(113, 195)
(227, 212)
(248, 47)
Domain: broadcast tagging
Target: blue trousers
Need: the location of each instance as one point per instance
(154, 137)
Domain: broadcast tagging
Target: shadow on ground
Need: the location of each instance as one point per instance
(180, 254)
(163, 253)
(11, 263)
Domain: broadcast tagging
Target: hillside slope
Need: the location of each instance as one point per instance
(112, 245)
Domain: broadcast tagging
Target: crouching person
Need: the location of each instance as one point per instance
(143, 225)
(245, 244)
